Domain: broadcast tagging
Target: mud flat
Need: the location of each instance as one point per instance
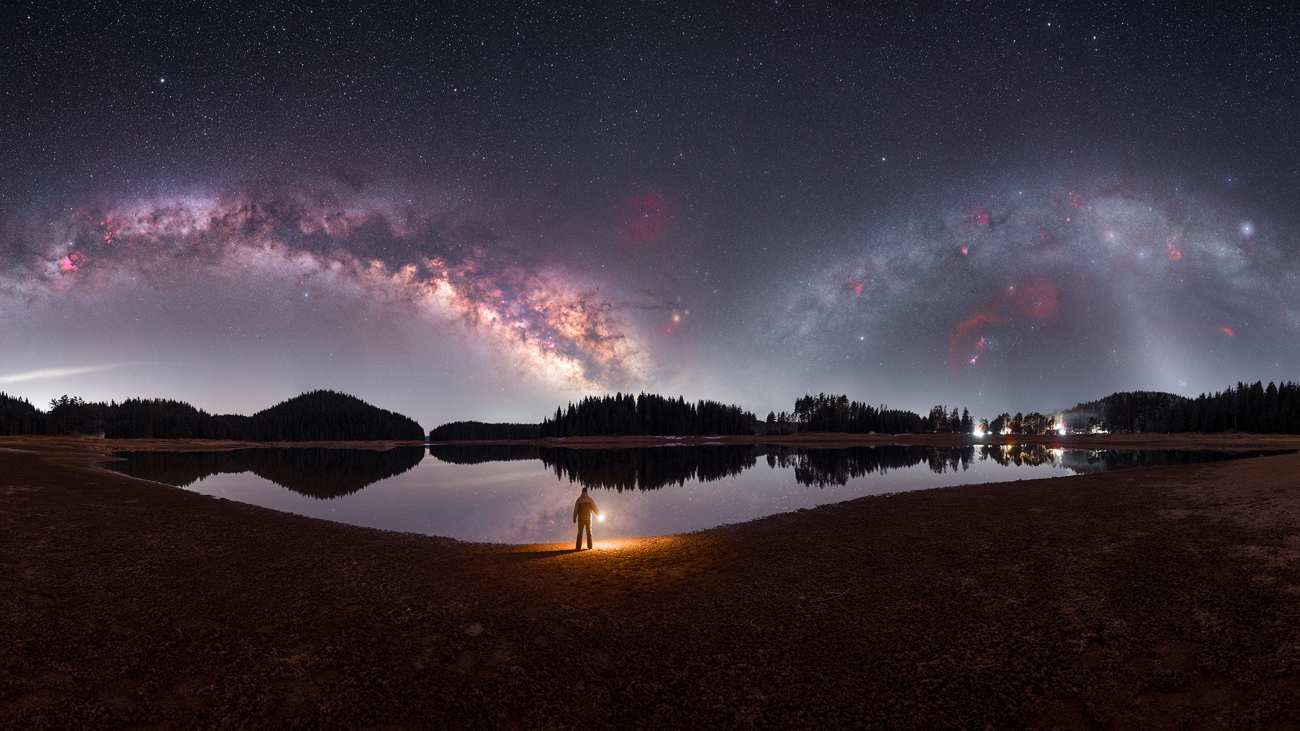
(1156, 598)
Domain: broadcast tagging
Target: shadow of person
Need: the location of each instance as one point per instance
(534, 555)
(583, 509)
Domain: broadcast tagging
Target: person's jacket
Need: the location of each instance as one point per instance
(583, 509)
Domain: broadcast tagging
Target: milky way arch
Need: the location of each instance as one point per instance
(1098, 271)
(448, 266)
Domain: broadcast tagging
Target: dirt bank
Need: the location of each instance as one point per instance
(1166, 597)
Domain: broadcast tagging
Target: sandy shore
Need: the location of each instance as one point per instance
(1157, 598)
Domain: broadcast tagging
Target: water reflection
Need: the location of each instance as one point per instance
(652, 468)
(822, 467)
(649, 468)
(1087, 461)
(313, 471)
(511, 494)
(329, 473)
(480, 453)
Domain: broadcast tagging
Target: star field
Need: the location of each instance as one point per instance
(479, 211)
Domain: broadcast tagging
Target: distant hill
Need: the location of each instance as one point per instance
(315, 416)
(1131, 411)
(330, 416)
(1255, 408)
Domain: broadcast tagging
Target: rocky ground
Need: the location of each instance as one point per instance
(1156, 598)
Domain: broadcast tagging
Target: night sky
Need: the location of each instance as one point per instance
(483, 211)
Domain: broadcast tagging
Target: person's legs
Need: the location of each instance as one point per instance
(581, 525)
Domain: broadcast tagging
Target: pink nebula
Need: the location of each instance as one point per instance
(643, 219)
(1038, 300)
(966, 343)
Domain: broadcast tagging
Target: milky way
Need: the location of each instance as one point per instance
(446, 267)
(1068, 279)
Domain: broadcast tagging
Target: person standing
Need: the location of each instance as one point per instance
(582, 512)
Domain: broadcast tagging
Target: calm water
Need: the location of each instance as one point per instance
(524, 494)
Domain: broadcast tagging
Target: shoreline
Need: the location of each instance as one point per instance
(1126, 599)
(1222, 441)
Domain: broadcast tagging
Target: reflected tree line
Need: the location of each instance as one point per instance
(479, 453)
(329, 473)
(316, 472)
(639, 468)
(652, 468)
(649, 468)
(822, 467)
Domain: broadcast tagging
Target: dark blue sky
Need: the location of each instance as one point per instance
(480, 211)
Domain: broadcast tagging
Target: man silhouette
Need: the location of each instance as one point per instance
(582, 511)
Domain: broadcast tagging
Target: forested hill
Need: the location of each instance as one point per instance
(329, 415)
(646, 414)
(1254, 408)
(315, 416)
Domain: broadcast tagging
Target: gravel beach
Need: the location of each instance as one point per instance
(1164, 597)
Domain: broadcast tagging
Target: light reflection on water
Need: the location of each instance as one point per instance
(661, 490)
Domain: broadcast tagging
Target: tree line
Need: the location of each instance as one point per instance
(468, 431)
(331, 416)
(646, 414)
(835, 413)
(314, 416)
(655, 415)
(1028, 424)
(1253, 408)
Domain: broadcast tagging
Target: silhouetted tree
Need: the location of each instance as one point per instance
(18, 416)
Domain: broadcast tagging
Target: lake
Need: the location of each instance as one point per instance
(525, 494)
